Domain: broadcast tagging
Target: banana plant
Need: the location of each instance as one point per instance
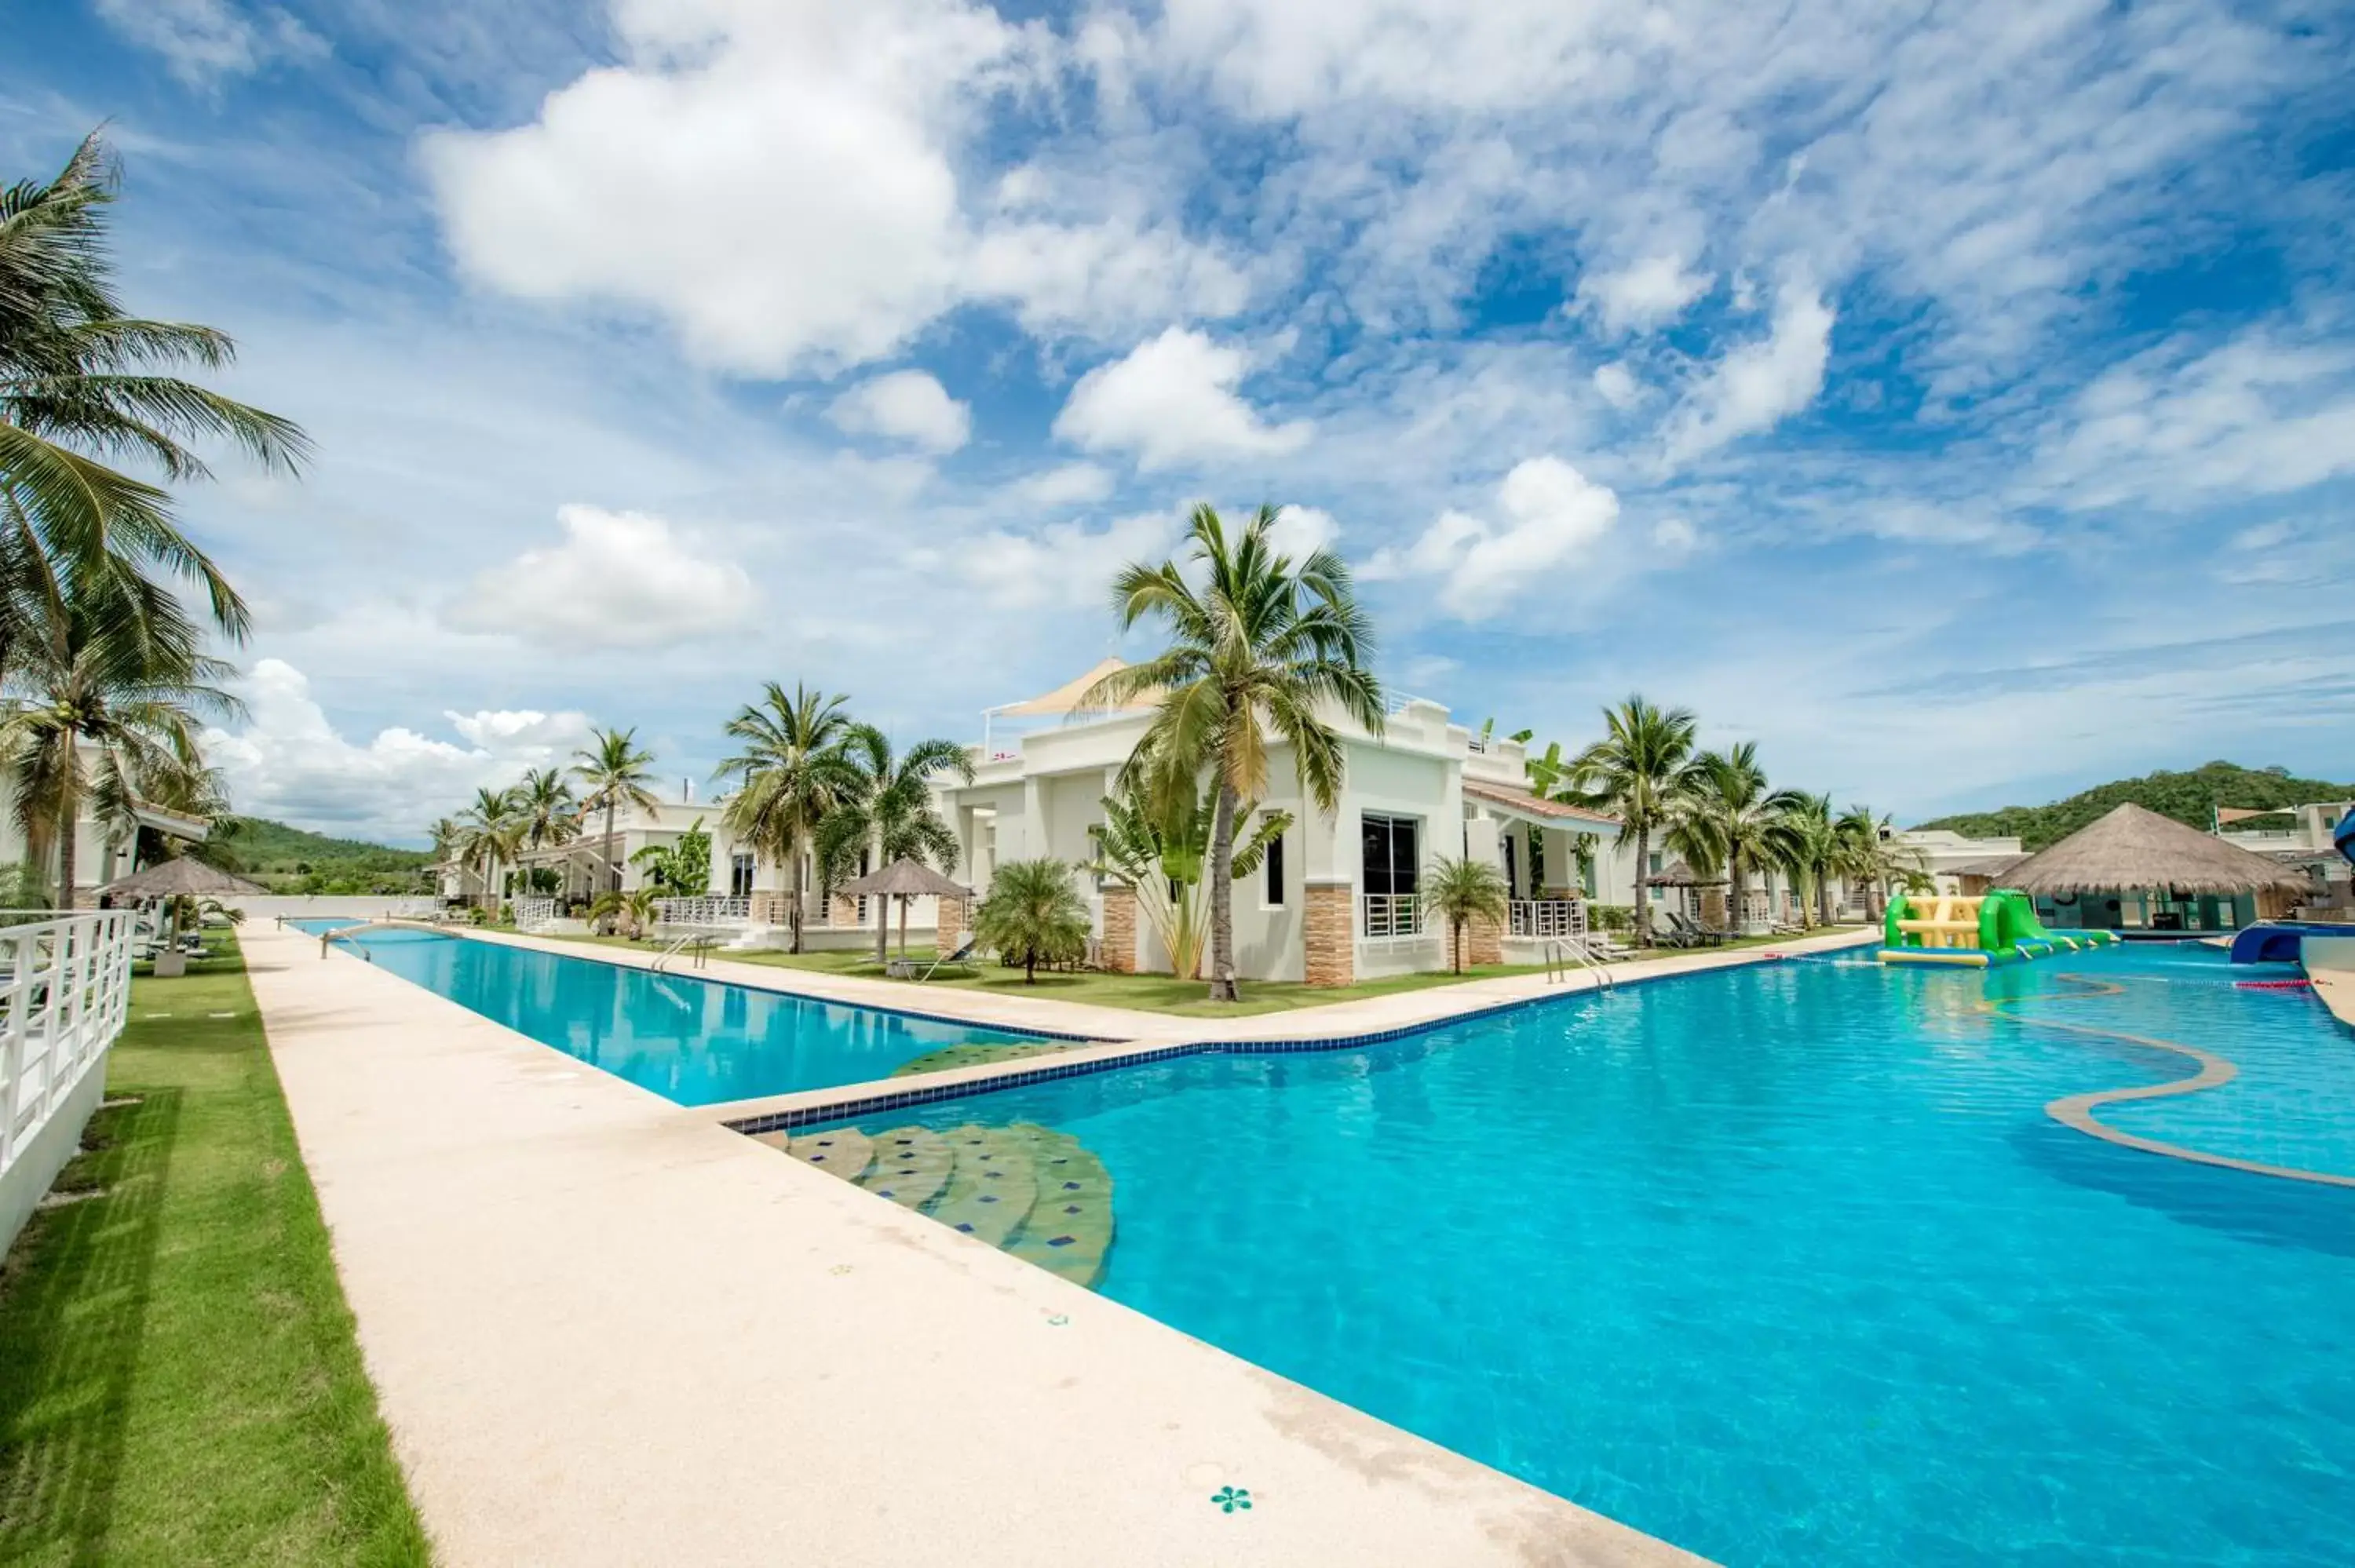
(1161, 851)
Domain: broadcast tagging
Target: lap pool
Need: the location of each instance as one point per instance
(692, 1041)
(1787, 1265)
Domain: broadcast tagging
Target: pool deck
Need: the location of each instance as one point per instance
(2331, 964)
(607, 1331)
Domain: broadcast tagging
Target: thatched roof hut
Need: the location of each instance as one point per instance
(2133, 848)
(185, 876)
(901, 881)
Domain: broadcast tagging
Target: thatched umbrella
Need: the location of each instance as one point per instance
(184, 877)
(2133, 849)
(902, 879)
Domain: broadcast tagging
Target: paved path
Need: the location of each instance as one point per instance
(605, 1333)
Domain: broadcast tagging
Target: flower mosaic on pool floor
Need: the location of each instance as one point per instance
(1024, 1188)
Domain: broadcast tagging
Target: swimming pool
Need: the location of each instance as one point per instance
(692, 1041)
(1786, 1265)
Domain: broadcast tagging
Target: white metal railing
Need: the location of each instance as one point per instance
(1390, 914)
(65, 990)
(709, 910)
(1547, 918)
(534, 911)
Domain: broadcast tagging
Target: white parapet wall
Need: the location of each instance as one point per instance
(65, 993)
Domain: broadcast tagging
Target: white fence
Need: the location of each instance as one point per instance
(1543, 918)
(530, 912)
(65, 990)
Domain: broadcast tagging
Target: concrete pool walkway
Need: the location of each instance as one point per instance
(608, 1332)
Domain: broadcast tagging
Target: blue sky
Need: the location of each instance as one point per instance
(1959, 401)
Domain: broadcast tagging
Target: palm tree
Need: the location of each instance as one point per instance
(1636, 772)
(792, 772)
(1256, 649)
(1728, 819)
(488, 831)
(102, 715)
(615, 773)
(890, 811)
(1871, 857)
(1463, 891)
(82, 384)
(1032, 911)
(546, 812)
(1812, 854)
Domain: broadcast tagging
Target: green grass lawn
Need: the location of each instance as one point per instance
(179, 1378)
(1146, 993)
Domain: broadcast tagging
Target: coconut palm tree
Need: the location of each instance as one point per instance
(792, 772)
(101, 714)
(83, 386)
(890, 811)
(1032, 913)
(488, 832)
(546, 812)
(615, 773)
(1253, 651)
(1871, 857)
(1811, 853)
(1727, 819)
(1636, 772)
(1460, 892)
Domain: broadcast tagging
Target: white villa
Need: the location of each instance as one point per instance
(1336, 900)
(1950, 859)
(103, 854)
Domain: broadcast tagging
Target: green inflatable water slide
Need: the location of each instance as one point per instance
(1976, 931)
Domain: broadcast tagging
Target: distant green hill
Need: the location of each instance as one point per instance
(2190, 798)
(290, 860)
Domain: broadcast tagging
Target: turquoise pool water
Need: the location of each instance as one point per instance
(693, 1041)
(1786, 1265)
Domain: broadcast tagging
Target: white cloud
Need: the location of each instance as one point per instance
(1675, 535)
(1071, 484)
(2177, 427)
(622, 578)
(780, 183)
(202, 42)
(1754, 388)
(1301, 531)
(906, 405)
(1618, 385)
(1173, 400)
(1062, 564)
(1651, 293)
(288, 762)
(1554, 514)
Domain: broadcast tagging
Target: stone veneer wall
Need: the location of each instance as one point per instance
(1484, 942)
(1331, 935)
(948, 923)
(845, 911)
(1119, 946)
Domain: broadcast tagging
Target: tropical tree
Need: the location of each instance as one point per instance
(83, 386)
(1159, 849)
(546, 812)
(682, 869)
(1637, 772)
(1254, 651)
(889, 809)
(488, 833)
(614, 773)
(1726, 819)
(102, 716)
(1032, 914)
(1460, 892)
(630, 913)
(1812, 852)
(792, 772)
(1870, 857)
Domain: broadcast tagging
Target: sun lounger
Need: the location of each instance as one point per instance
(958, 957)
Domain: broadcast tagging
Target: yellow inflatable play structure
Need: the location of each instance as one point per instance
(1998, 928)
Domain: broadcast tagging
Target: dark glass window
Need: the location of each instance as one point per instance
(1275, 871)
(740, 876)
(1389, 861)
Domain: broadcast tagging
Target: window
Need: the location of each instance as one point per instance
(1387, 874)
(1512, 874)
(740, 876)
(1275, 871)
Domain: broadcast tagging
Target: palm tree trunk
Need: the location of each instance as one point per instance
(1824, 896)
(882, 931)
(1643, 894)
(794, 890)
(1456, 937)
(611, 865)
(903, 926)
(66, 836)
(1734, 894)
(1222, 897)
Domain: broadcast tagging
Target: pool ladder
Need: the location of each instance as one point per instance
(1560, 956)
(700, 943)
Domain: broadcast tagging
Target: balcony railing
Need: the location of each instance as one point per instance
(711, 911)
(65, 988)
(533, 911)
(1543, 918)
(1385, 915)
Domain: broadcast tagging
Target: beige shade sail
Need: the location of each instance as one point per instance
(1069, 698)
(2133, 847)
